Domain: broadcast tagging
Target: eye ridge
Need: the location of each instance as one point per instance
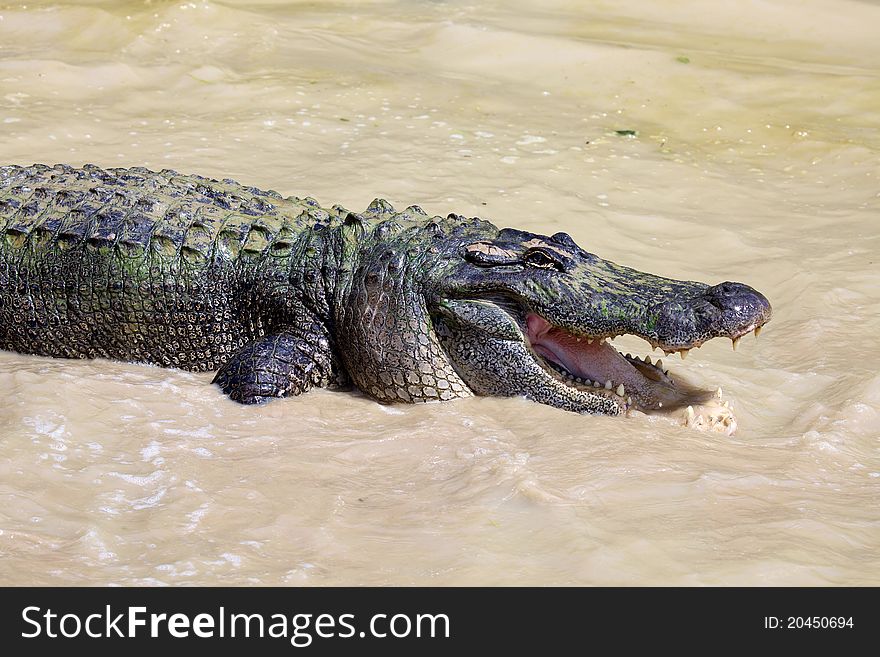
(540, 259)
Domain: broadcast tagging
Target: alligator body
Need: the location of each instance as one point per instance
(279, 295)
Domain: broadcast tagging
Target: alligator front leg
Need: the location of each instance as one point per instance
(280, 365)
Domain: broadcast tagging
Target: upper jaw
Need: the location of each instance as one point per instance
(673, 322)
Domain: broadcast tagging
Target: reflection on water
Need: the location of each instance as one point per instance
(754, 159)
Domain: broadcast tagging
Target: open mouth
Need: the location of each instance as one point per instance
(593, 365)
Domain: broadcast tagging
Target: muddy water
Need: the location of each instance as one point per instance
(756, 159)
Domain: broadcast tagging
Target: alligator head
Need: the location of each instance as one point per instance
(530, 315)
(452, 309)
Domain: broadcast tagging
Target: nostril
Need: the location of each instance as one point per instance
(725, 294)
(727, 289)
(736, 297)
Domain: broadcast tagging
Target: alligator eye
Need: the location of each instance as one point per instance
(540, 259)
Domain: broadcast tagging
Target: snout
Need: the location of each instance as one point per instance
(724, 310)
(742, 307)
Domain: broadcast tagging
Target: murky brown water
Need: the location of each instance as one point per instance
(756, 160)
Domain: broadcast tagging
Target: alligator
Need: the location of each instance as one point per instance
(278, 295)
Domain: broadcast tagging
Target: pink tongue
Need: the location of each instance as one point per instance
(596, 361)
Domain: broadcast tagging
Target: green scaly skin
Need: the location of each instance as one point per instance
(279, 294)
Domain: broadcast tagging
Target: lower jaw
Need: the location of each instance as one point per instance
(641, 394)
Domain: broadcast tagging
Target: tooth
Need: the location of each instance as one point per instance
(596, 384)
(629, 401)
(758, 330)
(648, 360)
(683, 353)
(718, 393)
(690, 413)
(608, 384)
(629, 356)
(735, 342)
(659, 364)
(578, 339)
(587, 382)
(620, 390)
(589, 340)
